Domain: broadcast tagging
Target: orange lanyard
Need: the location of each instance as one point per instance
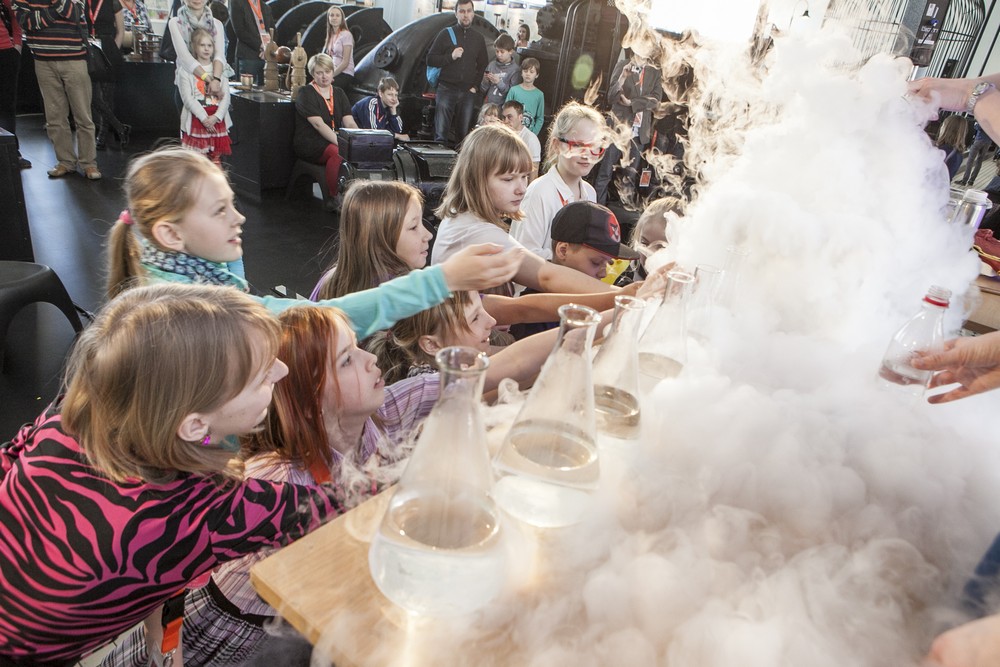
(329, 103)
(258, 14)
(93, 16)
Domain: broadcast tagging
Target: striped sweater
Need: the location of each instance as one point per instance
(52, 28)
(82, 559)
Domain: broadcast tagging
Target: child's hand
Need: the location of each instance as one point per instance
(211, 121)
(655, 284)
(480, 267)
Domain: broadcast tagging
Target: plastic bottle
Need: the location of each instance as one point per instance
(923, 331)
(438, 550)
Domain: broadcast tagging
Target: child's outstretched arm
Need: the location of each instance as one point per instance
(531, 308)
(477, 267)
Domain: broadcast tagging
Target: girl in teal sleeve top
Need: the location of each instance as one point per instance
(187, 230)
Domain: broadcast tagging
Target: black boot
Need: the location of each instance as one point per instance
(102, 138)
(122, 134)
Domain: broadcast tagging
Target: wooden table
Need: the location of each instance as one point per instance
(321, 584)
(986, 317)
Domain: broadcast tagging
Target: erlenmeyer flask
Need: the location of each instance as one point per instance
(438, 549)
(616, 374)
(732, 276)
(663, 345)
(700, 316)
(547, 468)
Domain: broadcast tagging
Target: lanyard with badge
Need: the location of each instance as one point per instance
(258, 14)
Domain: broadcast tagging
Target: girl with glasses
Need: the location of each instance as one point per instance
(576, 144)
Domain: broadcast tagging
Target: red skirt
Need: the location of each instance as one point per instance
(209, 140)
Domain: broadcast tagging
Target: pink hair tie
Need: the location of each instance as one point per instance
(126, 217)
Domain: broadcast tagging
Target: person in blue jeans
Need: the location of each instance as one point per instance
(462, 61)
(980, 147)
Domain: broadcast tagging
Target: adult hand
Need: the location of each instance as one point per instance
(481, 266)
(975, 644)
(457, 53)
(948, 94)
(973, 363)
(215, 87)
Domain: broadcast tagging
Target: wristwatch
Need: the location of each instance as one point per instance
(977, 92)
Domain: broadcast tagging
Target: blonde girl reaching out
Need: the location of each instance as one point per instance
(182, 226)
(205, 120)
(485, 189)
(382, 236)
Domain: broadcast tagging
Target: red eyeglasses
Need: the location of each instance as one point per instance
(581, 147)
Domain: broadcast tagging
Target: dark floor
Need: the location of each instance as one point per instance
(285, 243)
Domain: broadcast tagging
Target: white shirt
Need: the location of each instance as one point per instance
(534, 146)
(467, 229)
(544, 197)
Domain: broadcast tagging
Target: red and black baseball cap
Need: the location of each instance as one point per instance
(594, 226)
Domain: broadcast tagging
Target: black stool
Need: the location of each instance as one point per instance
(22, 283)
(316, 174)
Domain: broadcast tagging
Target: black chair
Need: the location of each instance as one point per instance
(315, 173)
(23, 283)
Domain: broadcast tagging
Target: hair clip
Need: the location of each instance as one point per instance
(207, 442)
(126, 217)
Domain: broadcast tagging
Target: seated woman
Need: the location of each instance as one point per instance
(334, 421)
(951, 139)
(126, 489)
(320, 110)
(381, 111)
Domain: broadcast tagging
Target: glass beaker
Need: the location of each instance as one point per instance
(704, 292)
(663, 345)
(547, 468)
(616, 373)
(438, 549)
(732, 276)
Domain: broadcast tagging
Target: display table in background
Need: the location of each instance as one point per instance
(986, 316)
(144, 97)
(263, 127)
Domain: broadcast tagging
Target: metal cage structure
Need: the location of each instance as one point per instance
(877, 26)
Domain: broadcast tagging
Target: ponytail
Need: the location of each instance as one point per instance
(124, 269)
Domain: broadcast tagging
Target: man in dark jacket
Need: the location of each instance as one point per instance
(251, 19)
(462, 62)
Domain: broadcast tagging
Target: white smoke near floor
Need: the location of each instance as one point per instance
(782, 508)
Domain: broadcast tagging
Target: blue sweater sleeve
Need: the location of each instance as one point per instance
(379, 308)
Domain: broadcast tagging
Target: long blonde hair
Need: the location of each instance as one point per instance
(161, 186)
(398, 348)
(569, 115)
(371, 220)
(952, 132)
(153, 356)
(487, 151)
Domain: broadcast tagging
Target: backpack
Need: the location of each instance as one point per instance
(434, 73)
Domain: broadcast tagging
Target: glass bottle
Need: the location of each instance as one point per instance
(438, 549)
(663, 345)
(923, 331)
(547, 469)
(616, 373)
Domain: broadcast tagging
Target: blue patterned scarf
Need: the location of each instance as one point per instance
(197, 270)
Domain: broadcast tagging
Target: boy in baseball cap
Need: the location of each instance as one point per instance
(587, 237)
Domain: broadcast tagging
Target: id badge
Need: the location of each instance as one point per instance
(265, 38)
(645, 177)
(96, 41)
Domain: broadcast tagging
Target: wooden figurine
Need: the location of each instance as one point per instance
(299, 60)
(271, 65)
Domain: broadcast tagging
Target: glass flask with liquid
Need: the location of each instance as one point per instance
(701, 312)
(547, 469)
(663, 345)
(438, 549)
(616, 374)
(923, 331)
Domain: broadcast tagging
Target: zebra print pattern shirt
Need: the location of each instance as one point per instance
(83, 559)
